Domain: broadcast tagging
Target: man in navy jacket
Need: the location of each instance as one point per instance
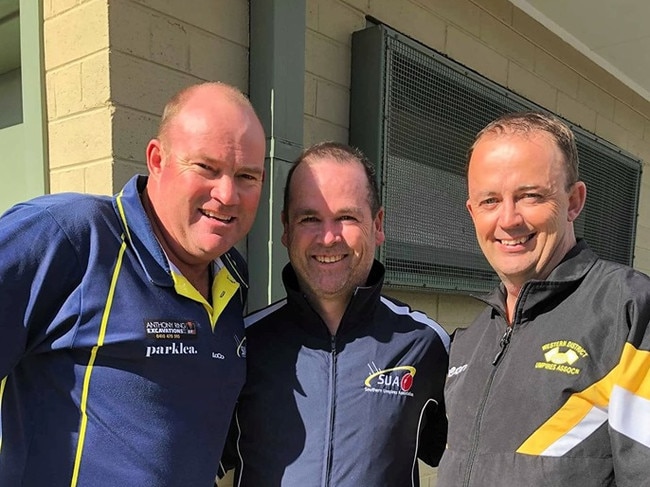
(121, 351)
(344, 385)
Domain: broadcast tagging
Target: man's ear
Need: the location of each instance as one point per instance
(379, 227)
(284, 238)
(577, 198)
(154, 156)
(470, 209)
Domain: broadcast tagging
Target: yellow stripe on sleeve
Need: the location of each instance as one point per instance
(622, 397)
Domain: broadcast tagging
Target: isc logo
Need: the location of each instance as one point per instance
(456, 370)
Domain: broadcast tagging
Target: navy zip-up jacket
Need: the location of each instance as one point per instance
(114, 371)
(355, 409)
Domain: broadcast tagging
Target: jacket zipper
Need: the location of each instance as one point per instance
(328, 462)
(503, 345)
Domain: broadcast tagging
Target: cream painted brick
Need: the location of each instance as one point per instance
(93, 178)
(644, 199)
(56, 7)
(64, 90)
(642, 260)
(132, 131)
(464, 14)
(79, 86)
(310, 94)
(98, 177)
(215, 58)
(76, 33)
(639, 148)
(338, 21)
(426, 302)
(458, 310)
(411, 19)
(226, 18)
(327, 59)
(507, 42)
(80, 139)
(62, 180)
(501, 9)
(469, 51)
(311, 14)
(317, 130)
(361, 5)
(632, 99)
(131, 28)
(95, 81)
(630, 119)
(556, 73)
(532, 87)
(646, 131)
(170, 43)
(333, 103)
(576, 112)
(596, 98)
(144, 85)
(643, 234)
(611, 131)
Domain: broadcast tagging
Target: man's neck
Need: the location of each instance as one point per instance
(330, 311)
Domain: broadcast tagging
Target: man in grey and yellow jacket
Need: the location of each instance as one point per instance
(550, 385)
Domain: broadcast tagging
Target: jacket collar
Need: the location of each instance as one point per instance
(566, 276)
(358, 313)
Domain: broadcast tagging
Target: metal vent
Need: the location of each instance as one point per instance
(416, 113)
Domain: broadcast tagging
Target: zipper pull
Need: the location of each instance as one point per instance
(503, 344)
(333, 344)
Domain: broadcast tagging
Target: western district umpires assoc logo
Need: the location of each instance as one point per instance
(562, 356)
(395, 380)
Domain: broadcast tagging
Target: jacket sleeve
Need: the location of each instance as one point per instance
(433, 437)
(36, 268)
(629, 404)
(230, 457)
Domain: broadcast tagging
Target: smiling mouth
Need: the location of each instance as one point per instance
(515, 241)
(216, 216)
(329, 259)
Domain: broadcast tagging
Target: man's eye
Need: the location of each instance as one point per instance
(203, 166)
(248, 177)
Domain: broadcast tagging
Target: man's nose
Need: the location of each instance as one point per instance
(510, 216)
(224, 189)
(331, 232)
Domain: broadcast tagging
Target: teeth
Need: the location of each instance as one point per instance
(328, 259)
(515, 242)
(216, 216)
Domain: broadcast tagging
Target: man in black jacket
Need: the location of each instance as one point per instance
(551, 384)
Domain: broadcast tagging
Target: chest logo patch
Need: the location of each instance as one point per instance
(397, 381)
(562, 356)
(170, 329)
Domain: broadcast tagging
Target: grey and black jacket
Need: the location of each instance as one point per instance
(562, 397)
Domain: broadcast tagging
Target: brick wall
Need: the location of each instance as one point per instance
(110, 68)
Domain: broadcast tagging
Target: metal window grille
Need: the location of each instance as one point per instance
(416, 112)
